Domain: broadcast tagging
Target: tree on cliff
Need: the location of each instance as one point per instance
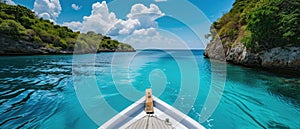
(275, 24)
(260, 24)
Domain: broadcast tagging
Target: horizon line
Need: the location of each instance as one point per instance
(169, 49)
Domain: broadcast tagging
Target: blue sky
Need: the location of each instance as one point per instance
(170, 24)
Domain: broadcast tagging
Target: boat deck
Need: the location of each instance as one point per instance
(158, 119)
(150, 122)
(134, 117)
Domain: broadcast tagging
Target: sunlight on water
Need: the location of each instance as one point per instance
(38, 91)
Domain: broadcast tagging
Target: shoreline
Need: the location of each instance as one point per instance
(104, 51)
(170, 49)
(63, 53)
(278, 71)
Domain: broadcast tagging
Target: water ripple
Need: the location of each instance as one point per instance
(37, 91)
(31, 93)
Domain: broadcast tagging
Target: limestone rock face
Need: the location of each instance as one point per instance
(240, 55)
(215, 50)
(284, 58)
(288, 57)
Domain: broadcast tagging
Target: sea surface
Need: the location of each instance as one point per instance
(84, 91)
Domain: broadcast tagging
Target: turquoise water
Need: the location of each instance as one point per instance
(41, 91)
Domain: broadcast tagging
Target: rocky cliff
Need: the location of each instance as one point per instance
(258, 33)
(279, 57)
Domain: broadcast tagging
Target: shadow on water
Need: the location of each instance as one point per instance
(283, 84)
(251, 92)
(287, 89)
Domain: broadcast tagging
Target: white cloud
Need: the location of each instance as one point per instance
(153, 38)
(146, 32)
(76, 7)
(139, 29)
(10, 2)
(105, 22)
(75, 25)
(160, 0)
(140, 10)
(100, 20)
(124, 27)
(48, 9)
(140, 17)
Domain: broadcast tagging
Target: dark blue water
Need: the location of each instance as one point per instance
(84, 91)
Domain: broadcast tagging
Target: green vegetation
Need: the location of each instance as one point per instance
(260, 24)
(89, 41)
(20, 23)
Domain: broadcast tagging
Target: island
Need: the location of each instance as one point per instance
(23, 33)
(263, 34)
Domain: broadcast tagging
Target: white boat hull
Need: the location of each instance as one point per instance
(162, 111)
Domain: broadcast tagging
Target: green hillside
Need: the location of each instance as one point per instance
(20, 24)
(260, 24)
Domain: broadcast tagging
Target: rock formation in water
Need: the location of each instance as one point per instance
(258, 34)
(285, 58)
